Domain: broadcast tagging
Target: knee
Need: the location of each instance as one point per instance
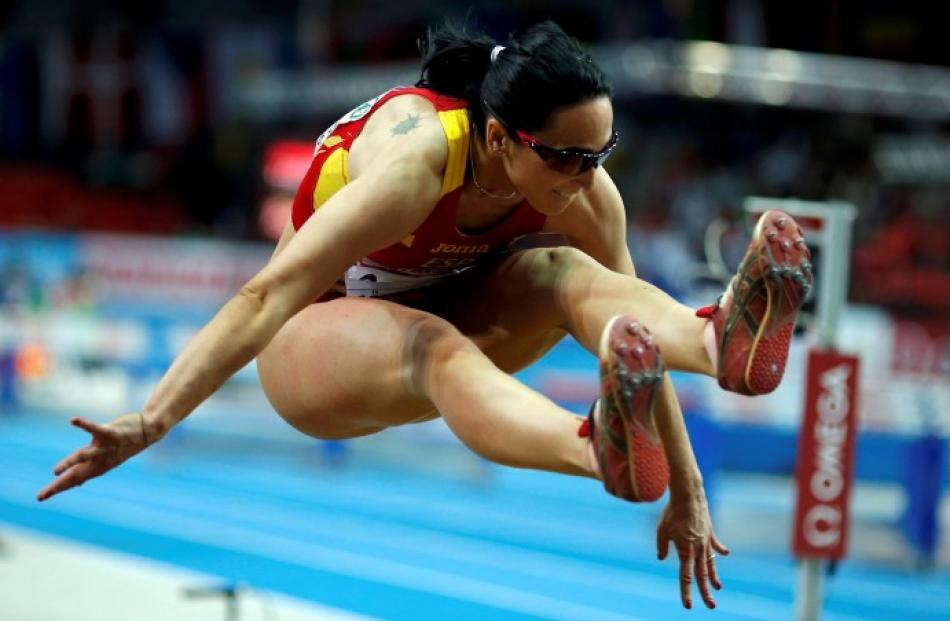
(430, 344)
(557, 260)
(552, 275)
(550, 266)
(567, 257)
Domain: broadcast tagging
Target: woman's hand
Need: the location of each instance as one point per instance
(111, 445)
(685, 522)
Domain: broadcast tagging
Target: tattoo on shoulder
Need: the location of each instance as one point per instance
(406, 125)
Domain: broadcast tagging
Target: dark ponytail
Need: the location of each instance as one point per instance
(540, 70)
(455, 63)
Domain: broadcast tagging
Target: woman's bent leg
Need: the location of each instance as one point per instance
(354, 366)
(535, 296)
(747, 331)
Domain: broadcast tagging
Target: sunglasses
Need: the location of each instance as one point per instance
(570, 161)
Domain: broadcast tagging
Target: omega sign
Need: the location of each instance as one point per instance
(826, 455)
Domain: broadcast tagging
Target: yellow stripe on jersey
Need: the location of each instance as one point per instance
(456, 126)
(332, 177)
(455, 123)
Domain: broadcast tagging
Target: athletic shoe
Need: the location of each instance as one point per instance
(620, 424)
(754, 318)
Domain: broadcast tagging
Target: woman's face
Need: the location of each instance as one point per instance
(587, 125)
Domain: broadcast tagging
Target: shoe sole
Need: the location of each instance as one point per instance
(635, 370)
(787, 284)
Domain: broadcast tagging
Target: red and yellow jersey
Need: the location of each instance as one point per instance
(437, 249)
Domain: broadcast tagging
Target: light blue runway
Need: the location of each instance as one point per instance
(404, 545)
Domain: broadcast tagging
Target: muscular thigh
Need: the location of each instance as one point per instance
(344, 368)
(513, 309)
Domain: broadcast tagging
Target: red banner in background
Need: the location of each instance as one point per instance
(826, 455)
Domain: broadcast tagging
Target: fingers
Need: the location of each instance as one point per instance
(662, 543)
(77, 457)
(73, 478)
(86, 463)
(91, 427)
(718, 546)
(702, 576)
(687, 561)
(49, 491)
(713, 573)
(697, 563)
(696, 546)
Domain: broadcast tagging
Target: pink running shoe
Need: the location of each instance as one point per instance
(620, 424)
(754, 318)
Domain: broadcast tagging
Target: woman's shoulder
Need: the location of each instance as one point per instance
(406, 124)
(418, 105)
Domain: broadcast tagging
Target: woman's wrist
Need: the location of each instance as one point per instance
(685, 477)
(154, 427)
(686, 482)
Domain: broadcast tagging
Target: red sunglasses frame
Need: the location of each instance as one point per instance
(570, 161)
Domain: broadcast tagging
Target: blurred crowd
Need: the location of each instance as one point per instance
(123, 117)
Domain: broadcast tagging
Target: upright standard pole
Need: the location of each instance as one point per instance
(828, 228)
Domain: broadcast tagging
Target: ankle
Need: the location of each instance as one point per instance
(587, 432)
(712, 348)
(592, 460)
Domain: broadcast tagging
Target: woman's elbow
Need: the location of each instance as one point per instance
(255, 294)
(271, 302)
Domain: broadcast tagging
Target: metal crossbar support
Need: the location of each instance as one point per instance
(827, 227)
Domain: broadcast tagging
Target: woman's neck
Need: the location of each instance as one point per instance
(489, 179)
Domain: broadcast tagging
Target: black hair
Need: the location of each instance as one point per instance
(540, 70)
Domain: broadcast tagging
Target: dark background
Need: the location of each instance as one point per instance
(131, 117)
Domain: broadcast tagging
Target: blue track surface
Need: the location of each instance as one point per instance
(401, 546)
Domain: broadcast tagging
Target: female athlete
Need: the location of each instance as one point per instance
(398, 291)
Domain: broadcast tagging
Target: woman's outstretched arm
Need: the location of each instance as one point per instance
(399, 189)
